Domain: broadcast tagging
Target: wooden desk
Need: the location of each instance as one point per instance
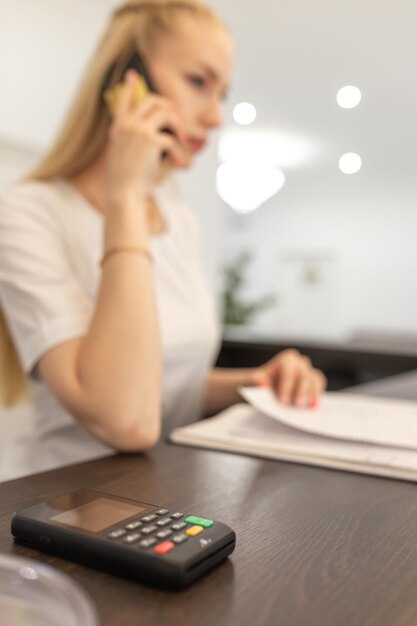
(314, 546)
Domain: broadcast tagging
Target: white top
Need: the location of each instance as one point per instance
(51, 242)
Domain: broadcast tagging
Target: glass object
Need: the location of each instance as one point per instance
(34, 594)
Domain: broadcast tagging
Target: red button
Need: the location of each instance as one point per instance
(164, 547)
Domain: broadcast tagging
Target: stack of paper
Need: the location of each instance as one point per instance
(350, 432)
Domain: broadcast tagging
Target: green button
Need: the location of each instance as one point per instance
(199, 521)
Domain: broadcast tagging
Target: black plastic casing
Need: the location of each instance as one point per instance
(176, 569)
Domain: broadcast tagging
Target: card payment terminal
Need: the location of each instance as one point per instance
(148, 543)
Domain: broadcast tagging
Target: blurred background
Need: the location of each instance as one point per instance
(301, 246)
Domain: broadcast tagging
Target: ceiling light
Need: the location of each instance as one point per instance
(349, 97)
(245, 184)
(244, 113)
(350, 163)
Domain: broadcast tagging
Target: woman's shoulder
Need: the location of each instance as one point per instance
(32, 199)
(30, 191)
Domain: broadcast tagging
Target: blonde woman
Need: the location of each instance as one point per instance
(107, 320)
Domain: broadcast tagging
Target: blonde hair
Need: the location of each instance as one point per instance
(135, 26)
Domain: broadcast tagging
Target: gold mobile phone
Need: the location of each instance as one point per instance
(112, 87)
(111, 95)
(112, 84)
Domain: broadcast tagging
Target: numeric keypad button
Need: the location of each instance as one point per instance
(133, 525)
(132, 538)
(149, 518)
(163, 534)
(148, 542)
(147, 530)
(164, 521)
(179, 538)
(116, 534)
(162, 512)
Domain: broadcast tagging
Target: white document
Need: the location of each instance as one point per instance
(345, 416)
(243, 428)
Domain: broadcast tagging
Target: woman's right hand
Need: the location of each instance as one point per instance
(136, 142)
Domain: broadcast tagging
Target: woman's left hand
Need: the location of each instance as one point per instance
(293, 379)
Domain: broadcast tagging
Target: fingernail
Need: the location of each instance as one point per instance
(301, 402)
(262, 383)
(285, 399)
(314, 403)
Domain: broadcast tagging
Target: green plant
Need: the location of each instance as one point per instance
(237, 310)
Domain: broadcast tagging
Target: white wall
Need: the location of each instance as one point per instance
(15, 161)
(44, 45)
(365, 254)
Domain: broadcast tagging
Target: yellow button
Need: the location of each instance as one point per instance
(194, 530)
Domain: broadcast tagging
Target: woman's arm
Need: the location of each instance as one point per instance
(110, 380)
(290, 374)
(222, 385)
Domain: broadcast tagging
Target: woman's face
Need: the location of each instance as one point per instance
(193, 70)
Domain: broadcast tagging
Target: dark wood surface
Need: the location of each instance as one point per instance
(314, 546)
